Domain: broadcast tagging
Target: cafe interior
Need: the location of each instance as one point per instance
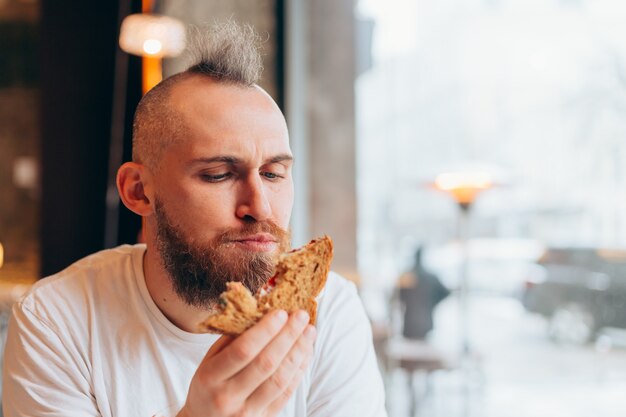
(466, 156)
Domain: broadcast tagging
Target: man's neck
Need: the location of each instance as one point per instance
(162, 292)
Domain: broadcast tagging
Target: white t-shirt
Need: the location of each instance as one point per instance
(90, 341)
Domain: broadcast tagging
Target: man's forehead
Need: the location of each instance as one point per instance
(227, 120)
(236, 150)
(202, 97)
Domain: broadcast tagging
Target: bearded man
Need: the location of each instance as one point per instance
(116, 333)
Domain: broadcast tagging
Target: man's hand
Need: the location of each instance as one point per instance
(255, 373)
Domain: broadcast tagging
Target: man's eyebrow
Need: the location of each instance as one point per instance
(233, 160)
(220, 158)
(280, 158)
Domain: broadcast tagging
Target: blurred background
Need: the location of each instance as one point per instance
(467, 156)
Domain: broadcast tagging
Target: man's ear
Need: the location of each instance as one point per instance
(132, 185)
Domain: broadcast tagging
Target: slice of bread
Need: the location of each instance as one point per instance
(300, 276)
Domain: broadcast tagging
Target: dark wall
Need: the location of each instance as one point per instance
(78, 43)
(129, 223)
(18, 43)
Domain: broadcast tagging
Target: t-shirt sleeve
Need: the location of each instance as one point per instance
(43, 375)
(345, 379)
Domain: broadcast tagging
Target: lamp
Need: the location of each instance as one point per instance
(152, 37)
(464, 187)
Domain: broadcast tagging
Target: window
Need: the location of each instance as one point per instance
(534, 92)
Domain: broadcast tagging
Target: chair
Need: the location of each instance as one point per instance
(416, 357)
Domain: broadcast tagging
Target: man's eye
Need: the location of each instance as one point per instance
(216, 177)
(271, 175)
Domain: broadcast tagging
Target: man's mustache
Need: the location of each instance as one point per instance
(269, 227)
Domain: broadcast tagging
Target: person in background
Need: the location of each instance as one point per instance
(116, 333)
(419, 291)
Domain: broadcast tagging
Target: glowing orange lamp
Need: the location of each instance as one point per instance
(464, 187)
(152, 37)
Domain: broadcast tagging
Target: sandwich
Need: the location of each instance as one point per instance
(299, 277)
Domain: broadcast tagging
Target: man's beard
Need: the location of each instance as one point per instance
(199, 271)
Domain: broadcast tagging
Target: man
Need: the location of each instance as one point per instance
(420, 295)
(115, 334)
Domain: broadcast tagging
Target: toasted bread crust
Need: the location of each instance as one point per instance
(239, 311)
(300, 276)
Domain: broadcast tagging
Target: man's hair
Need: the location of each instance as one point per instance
(227, 53)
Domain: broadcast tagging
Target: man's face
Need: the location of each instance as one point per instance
(223, 193)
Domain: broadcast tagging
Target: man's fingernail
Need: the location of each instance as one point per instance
(310, 333)
(302, 316)
(280, 317)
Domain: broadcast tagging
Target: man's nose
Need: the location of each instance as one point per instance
(253, 200)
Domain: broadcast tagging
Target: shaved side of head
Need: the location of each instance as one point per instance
(157, 125)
